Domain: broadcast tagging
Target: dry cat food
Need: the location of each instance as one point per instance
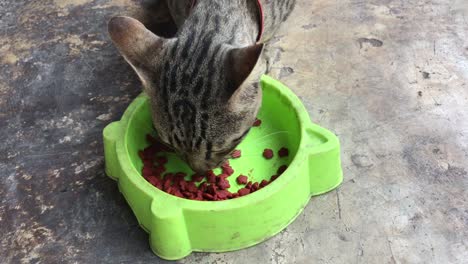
(257, 122)
(282, 169)
(268, 153)
(236, 154)
(283, 152)
(207, 187)
(241, 179)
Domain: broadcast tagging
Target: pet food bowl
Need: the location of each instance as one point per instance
(178, 226)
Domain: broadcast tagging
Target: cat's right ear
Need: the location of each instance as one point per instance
(246, 68)
(135, 42)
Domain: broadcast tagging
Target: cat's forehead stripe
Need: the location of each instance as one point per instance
(198, 143)
(209, 147)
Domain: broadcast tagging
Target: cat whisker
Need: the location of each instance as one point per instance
(268, 135)
(256, 155)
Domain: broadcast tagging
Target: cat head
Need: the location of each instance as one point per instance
(205, 128)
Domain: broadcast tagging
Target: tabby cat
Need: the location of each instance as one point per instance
(203, 83)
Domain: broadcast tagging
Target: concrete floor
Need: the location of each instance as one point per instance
(390, 78)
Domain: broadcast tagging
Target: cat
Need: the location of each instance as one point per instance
(203, 83)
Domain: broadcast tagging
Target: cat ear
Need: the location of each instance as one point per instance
(246, 68)
(135, 42)
(241, 63)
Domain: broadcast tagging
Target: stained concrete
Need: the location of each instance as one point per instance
(388, 77)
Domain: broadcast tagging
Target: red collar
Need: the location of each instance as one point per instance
(260, 13)
(262, 20)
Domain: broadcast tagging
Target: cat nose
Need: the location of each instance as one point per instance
(198, 166)
(201, 165)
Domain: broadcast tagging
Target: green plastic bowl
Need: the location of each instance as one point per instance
(179, 226)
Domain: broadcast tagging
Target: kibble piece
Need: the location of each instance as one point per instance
(203, 186)
(227, 169)
(161, 160)
(242, 179)
(180, 175)
(169, 189)
(147, 171)
(243, 191)
(153, 180)
(197, 177)
(191, 187)
(236, 154)
(208, 196)
(167, 184)
(222, 194)
(147, 163)
(268, 153)
(257, 122)
(263, 183)
(283, 152)
(178, 193)
(159, 185)
(188, 195)
(211, 177)
(159, 170)
(183, 185)
(223, 184)
(199, 196)
(211, 189)
(222, 176)
(282, 169)
(168, 176)
(254, 187)
(150, 139)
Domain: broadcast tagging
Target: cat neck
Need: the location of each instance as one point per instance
(261, 16)
(237, 23)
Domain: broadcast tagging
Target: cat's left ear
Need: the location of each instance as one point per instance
(245, 69)
(135, 42)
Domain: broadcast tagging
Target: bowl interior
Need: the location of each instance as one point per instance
(280, 127)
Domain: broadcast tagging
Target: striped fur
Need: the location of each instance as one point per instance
(203, 83)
